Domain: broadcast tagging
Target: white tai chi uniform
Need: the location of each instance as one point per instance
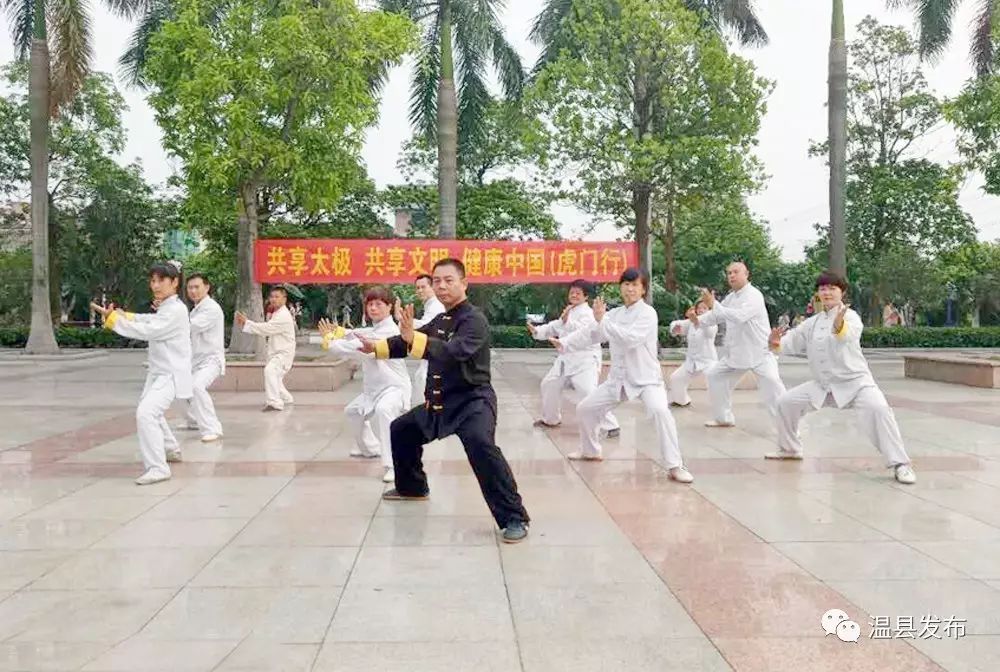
(745, 349)
(579, 368)
(168, 377)
(280, 333)
(387, 389)
(432, 309)
(208, 362)
(631, 334)
(840, 378)
(700, 356)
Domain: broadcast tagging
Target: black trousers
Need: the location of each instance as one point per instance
(475, 425)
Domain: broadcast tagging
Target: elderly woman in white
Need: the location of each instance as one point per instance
(700, 352)
(387, 387)
(831, 340)
(579, 368)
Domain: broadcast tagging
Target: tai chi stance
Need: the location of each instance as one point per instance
(460, 400)
(169, 373)
(208, 357)
(745, 348)
(700, 353)
(631, 334)
(280, 332)
(831, 340)
(386, 393)
(579, 368)
(424, 284)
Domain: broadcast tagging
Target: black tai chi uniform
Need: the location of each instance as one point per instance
(459, 400)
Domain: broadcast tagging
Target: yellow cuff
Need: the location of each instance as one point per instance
(382, 349)
(110, 319)
(843, 330)
(325, 344)
(419, 345)
(335, 335)
(130, 317)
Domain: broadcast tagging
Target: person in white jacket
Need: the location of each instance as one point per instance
(208, 357)
(169, 367)
(631, 334)
(280, 332)
(387, 387)
(831, 340)
(432, 308)
(745, 347)
(579, 368)
(700, 354)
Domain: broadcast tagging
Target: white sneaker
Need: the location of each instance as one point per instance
(174, 456)
(209, 438)
(681, 475)
(905, 474)
(270, 408)
(357, 452)
(151, 477)
(389, 476)
(716, 423)
(782, 455)
(584, 458)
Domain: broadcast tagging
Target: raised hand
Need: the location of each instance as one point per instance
(557, 344)
(838, 321)
(326, 327)
(406, 324)
(565, 314)
(600, 308)
(98, 308)
(367, 346)
(707, 296)
(532, 328)
(240, 319)
(397, 310)
(774, 340)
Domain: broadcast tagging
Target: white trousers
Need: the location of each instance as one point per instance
(874, 415)
(201, 410)
(419, 383)
(678, 384)
(155, 437)
(722, 378)
(607, 396)
(274, 384)
(371, 428)
(583, 382)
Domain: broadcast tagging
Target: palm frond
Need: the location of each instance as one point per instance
(935, 20)
(130, 8)
(547, 31)
(22, 24)
(423, 88)
(473, 43)
(71, 48)
(983, 49)
(133, 61)
(508, 65)
(740, 17)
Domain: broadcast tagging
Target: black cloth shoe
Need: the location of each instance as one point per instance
(515, 532)
(394, 495)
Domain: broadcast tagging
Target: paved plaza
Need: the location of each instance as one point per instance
(273, 550)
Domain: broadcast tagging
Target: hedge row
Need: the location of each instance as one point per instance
(517, 336)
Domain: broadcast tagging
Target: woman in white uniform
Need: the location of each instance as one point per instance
(578, 368)
(387, 387)
(208, 357)
(432, 308)
(700, 352)
(280, 332)
(631, 334)
(831, 340)
(169, 374)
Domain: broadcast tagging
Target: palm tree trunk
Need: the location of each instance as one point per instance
(55, 265)
(837, 109)
(447, 131)
(248, 297)
(41, 338)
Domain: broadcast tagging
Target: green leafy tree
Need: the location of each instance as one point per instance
(644, 155)
(54, 79)
(460, 38)
(974, 271)
(975, 112)
(269, 101)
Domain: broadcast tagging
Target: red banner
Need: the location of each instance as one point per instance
(400, 260)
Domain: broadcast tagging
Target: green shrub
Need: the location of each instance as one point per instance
(931, 337)
(71, 337)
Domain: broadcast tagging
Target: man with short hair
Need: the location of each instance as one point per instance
(279, 329)
(460, 400)
(745, 348)
(424, 284)
(631, 332)
(579, 368)
(208, 356)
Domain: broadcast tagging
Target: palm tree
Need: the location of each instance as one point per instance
(463, 37)
(735, 17)
(51, 84)
(837, 118)
(935, 18)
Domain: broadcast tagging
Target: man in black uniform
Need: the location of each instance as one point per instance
(459, 399)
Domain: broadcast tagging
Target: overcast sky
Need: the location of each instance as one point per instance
(794, 197)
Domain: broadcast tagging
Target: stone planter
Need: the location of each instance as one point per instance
(960, 369)
(310, 376)
(747, 382)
